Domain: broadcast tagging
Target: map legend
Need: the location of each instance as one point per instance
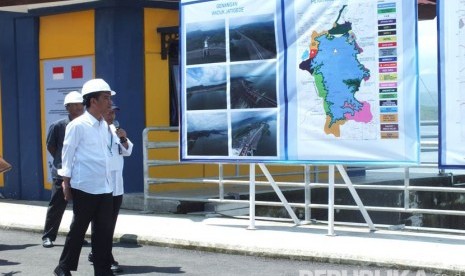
(387, 49)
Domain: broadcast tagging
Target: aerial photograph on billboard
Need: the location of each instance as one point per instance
(207, 42)
(253, 85)
(254, 133)
(252, 38)
(207, 134)
(206, 88)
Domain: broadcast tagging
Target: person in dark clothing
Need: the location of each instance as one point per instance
(74, 106)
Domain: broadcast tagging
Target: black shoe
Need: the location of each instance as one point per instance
(91, 257)
(61, 272)
(47, 243)
(115, 267)
(85, 242)
(106, 272)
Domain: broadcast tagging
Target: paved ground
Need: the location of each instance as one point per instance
(352, 245)
(21, 253)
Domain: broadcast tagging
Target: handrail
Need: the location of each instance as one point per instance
(429, 143)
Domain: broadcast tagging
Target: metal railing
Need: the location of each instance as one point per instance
(310, 176)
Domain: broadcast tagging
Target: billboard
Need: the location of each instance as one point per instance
(451, 34)
(333, 82)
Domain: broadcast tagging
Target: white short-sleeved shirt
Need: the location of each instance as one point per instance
(116, 156)
(84, 156)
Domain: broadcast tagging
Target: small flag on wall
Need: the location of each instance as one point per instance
(58, 73)
(76, 72)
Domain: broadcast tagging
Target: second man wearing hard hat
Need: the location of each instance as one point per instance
(74, 106)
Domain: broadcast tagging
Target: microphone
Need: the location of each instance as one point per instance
(116, 124)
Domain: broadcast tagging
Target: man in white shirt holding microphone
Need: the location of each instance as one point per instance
(120, 147)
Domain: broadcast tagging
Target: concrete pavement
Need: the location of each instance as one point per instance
(397, 249)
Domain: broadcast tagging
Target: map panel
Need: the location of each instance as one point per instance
(349, 93)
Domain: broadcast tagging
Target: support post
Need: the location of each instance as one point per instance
(357, 199)
(221, 184)
(145, 155)
(252, 197)
(331, 201)
(308, 195)
(406, 188)
(279, 193)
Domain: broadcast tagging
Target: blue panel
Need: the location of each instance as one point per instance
(27, 41)
(8, 77)
(119, 59)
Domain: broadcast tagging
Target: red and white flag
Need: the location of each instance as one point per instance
(58, 73)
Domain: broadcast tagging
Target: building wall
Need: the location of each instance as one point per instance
(8, 103)
(21, 105)
(156, 69)
(114, 34)
(62, 36)
(119, 59)
(67, 35)
(2, 179)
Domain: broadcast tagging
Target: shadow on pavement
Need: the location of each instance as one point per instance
(5, 247)
(6, 262)
(127, 269)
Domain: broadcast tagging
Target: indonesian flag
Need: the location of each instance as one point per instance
(58, 73)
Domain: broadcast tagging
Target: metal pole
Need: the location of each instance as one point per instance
(357, 199)
(316, 174)
(252, 197)
(406, 188)
(307, 194)
(331, 200)
(279, 193)
(146, 167)
(221, 185)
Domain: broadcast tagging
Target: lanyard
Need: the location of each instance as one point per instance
(111, 142)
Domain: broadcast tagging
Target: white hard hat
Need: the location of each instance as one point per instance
(73, 97)
(96, 85)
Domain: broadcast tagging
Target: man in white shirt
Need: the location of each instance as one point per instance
(87, 180)
(121, 147)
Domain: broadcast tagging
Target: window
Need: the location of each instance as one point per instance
(175, 85)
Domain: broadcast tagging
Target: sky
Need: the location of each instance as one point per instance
(207, 75)
(427, 61)
(207, 121)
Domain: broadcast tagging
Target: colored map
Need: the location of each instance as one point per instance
(332, 60)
